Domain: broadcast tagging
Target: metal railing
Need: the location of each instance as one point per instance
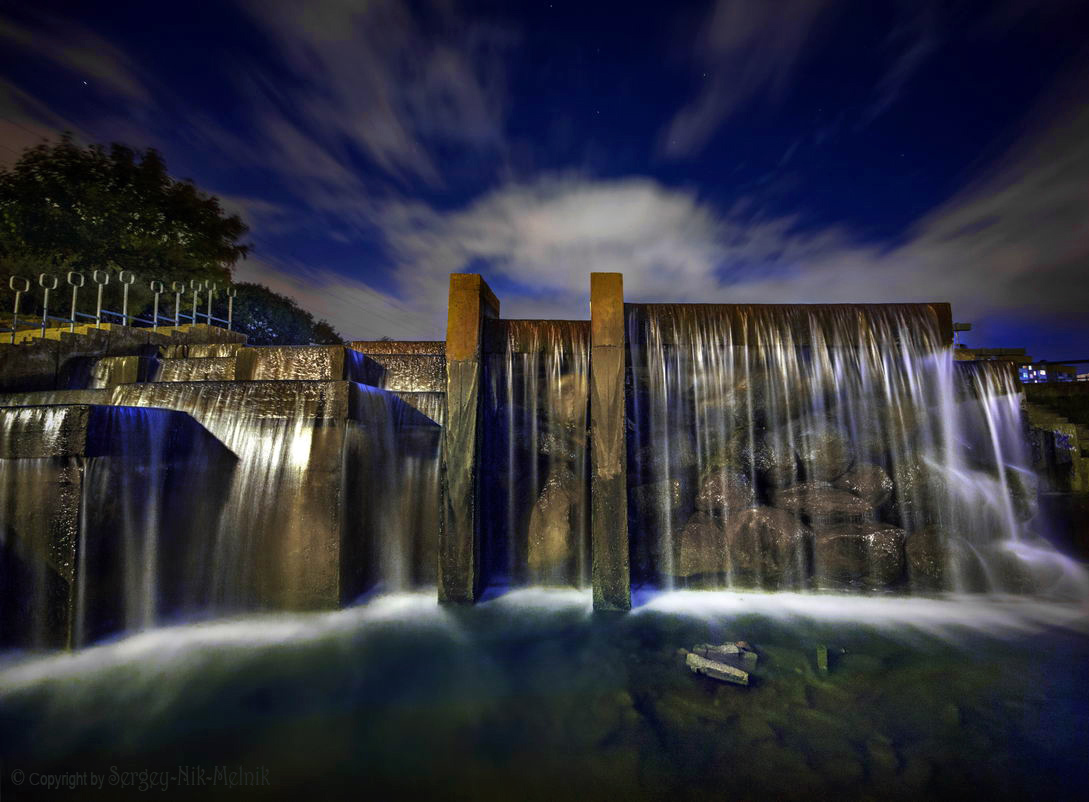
(203, 293)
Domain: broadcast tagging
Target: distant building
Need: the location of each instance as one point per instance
(1043, 372)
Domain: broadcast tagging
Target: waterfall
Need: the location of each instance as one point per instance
(835, 447)
(104, 512)
(534, 472)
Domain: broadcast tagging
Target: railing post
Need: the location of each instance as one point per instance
(101, 278)
(194, 285)
(126, 278)
(178, 288)
(157, 288)
(211, 287)
(231, 293)
(47, 283)
(13, 283)
(72, 276)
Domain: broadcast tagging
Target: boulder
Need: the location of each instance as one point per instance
(1024, 487)
(725, 490)
(869, 555)
(553, 529)
(754, 453)
(921, 494)
(824, 452)
(767, 547)
(563, 441)
(823, 504)
(701, 548)
(660, 506)
(666, 457)
(938, 560)
(926, 558)
(867, 481)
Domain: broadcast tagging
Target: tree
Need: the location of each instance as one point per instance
(269, 318)
(65, 207)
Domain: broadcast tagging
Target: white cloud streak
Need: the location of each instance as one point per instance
(1015, 244)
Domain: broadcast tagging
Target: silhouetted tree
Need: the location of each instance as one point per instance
(66, 207)
(269, 318)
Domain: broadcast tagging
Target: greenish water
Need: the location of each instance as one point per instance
(531, 696)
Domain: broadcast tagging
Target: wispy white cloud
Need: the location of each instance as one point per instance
(742, 49)
(373, 77)
(913, 42)
(1014, 244)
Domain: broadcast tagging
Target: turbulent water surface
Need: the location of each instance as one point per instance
(532, 696)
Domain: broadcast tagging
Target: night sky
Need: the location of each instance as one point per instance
(739, 150)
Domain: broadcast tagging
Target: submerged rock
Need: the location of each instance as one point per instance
(767, 547)
(725, 490)
(866, 554)
(867, 481)
(823, 503)
(825, 453)
(716, 670)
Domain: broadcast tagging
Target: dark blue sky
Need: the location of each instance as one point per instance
(748, 150)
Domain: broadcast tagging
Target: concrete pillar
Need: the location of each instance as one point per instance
(608, 480)
(471, 301)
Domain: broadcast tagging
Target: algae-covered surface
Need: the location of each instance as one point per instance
(532, 696)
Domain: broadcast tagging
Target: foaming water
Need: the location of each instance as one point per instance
(532, 693)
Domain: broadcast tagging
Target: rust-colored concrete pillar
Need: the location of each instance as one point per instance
(471, 301)
(608, 481)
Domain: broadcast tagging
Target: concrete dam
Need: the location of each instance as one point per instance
(153, 477)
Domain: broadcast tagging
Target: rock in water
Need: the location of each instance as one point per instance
(869, 482)
(867, 554)
(767, 547)
(716, 670)
(701, 547)
(825, 453)
(926, 558)
(1024, 487)
(725, 490)
(553, 525)
(921, 493)
(937, 560)
(824, 503)
(658, 504)
(717, 651)
(774, 461)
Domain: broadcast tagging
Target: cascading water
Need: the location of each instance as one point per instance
(204, 368)
(833, 447)
(335, 491)
(535, 492)
(97, 506)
